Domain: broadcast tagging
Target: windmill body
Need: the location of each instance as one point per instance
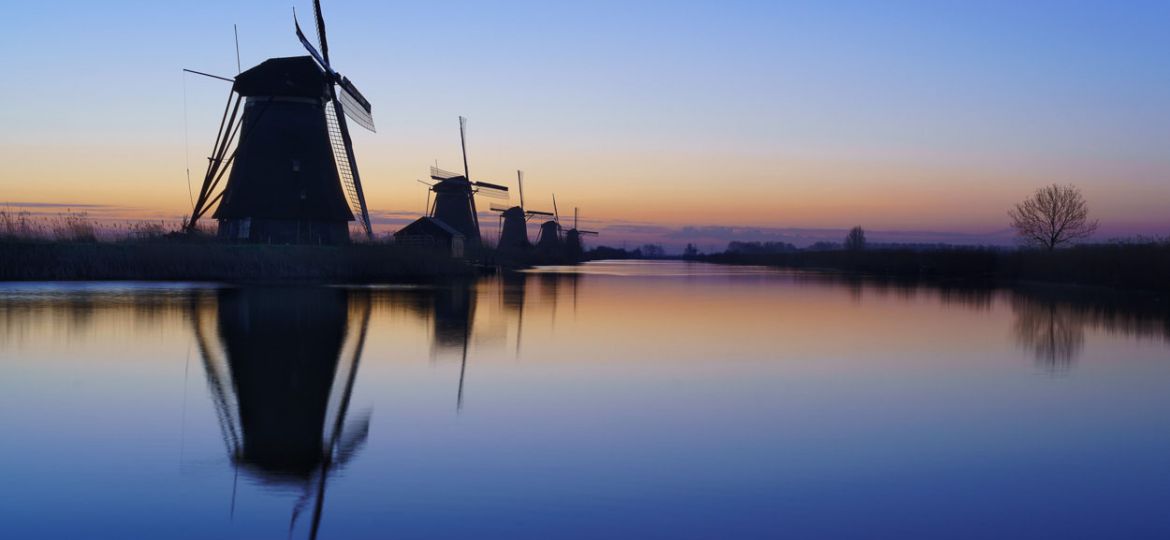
(455, 205)
(514, 223)
(514, 231)
(549, 243)
(574, 247)
(284, 186)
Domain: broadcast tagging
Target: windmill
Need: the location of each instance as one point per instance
(549, 243)
(294, 177)
(514, 222)
(455, 193)
(574, 249)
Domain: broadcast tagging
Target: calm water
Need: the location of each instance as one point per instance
(617, 400)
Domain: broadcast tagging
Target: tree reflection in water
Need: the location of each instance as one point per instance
(1052, 333)
(1051, 322)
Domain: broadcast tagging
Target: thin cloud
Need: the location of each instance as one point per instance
(37, 204)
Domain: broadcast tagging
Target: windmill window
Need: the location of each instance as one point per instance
(296, 165)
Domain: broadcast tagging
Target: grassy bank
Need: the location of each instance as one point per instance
(1122, 265)
(177, 260)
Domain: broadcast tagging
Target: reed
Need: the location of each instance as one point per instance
(179, 260)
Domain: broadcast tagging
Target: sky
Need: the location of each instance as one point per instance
(662, 121)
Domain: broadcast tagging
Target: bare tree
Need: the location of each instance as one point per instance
(1053, 216)
(855, 240)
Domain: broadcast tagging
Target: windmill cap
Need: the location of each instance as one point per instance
(296, 76)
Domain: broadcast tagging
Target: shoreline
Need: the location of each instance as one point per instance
(173, 261)
(1123, 267)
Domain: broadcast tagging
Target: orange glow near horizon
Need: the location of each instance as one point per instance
(791, 193)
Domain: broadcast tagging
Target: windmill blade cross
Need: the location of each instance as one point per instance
(463, 145)
(352, 178)
(490, 185)
(309, 45)
(488, 189)
(440, 174)
(520, 183)
(321, 31)
(492, 193)
(231, 80)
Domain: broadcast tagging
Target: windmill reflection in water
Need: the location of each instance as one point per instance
(281, 365)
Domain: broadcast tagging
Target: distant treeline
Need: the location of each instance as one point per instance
(1134, 265)
(171, 259)
(648, 251)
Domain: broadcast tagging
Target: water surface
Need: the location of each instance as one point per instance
(641, 400)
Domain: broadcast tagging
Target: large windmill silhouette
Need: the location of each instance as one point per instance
(293, 174)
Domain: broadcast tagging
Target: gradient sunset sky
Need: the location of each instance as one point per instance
(918, 120)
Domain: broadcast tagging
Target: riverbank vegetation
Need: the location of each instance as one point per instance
(73, 247)
(1048, 223)
(177, 260)
(1142, 264)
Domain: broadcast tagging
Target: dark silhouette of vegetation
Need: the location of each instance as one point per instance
(193, 260)
(1132, 265)
(611, 253)
(824, 246)
(855, 240)
(652, 251)
(760, 247)
(1053, 216)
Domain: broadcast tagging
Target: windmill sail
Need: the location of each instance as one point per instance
(494, 191)
(348, 101)
(440, 174)
(308, 45)
(349, 174)
(341, 155)
(357, 108)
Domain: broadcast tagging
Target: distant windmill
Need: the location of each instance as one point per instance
(574, 248)
(294, 177)
(514, 222)
(550, 244)
(455, 195)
